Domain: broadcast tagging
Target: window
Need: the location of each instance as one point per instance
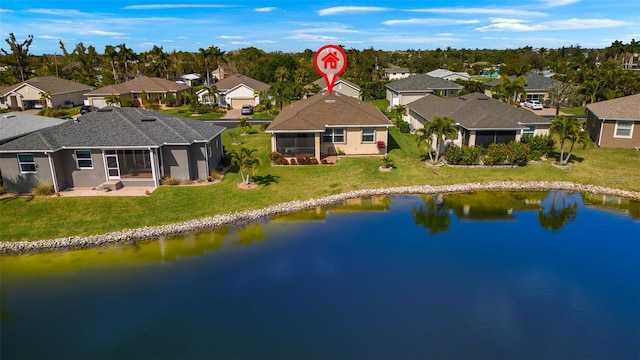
(368, 135)
(624, 129)
(333, 135)
(27, 163)
(530, 130)
(83, 159)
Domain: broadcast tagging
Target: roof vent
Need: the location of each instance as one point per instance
(148, 119)
(330, 101)
(105, 109)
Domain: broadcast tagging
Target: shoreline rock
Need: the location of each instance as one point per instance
(148, 233)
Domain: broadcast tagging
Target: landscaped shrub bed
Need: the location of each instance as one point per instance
(463, 155)
(541, 145)
(513, 153)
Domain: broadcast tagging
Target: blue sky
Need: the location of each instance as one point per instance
(297, 25)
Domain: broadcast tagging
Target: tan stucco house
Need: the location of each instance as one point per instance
(154, 87)
(404, 91)
(237, 90)
(119, 146)
(28, 94)
(329, 124)
(615, 123)
(341, 85)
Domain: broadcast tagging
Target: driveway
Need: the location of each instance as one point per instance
(233, 114)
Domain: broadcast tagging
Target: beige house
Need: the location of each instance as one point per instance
(395, 72)
(615, 123)
(153, 87)
(341, 85)
(237, 90)
(29, 94)
(329, 124)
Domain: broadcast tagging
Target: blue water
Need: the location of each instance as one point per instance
(354, 281)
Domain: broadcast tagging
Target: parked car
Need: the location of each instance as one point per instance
(87, 108)
(533, 104)
(247, 109)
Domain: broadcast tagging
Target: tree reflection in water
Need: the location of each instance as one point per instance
(558, 215)
(433, 215)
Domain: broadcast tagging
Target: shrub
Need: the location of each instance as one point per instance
(496, 154)
(169, 100)
(541, 145)
(264, 126)
(3, 190)
(387, 162)
(284, 161)
(44, 189)
(403, 126)
(170, 180)
(293, 161)
(302, 160)
(463, 155)
(126, 102)
(313, 161)
(515, 153)
(518, 153)
(275, 157)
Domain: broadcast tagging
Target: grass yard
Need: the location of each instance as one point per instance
(185, 112)
(49, 217)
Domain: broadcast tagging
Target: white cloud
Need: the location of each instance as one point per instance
(174, 6)
(502, 24)
(57, 12)
(350, 9)
(266, 9)
(101, 33)
(5, 11)
(229, 37)
(556, 3)
(48, 37)
(483, 11)
(310, 37)
(430, 21)
(240, 43)
(265, 42)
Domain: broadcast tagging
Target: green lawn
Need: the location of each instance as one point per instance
(41, 218)
(185, 112)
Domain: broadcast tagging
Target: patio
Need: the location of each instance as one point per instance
(125, 191)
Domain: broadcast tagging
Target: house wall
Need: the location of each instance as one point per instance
(217, 152)
(77, 98)
(346, 90)
(608, 139)
(16, 182)
(353, 143)
(29, 96)
(241, 93)
(69, 175)
(199, 165)
(176, 161)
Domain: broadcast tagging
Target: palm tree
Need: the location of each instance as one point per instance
(211, 56)
(439, 128)
(126, 55)
(45, 99)
(113, 100)
(111, 53)
(245, 125)
(247, 162)
(568, 129)
(507, 87)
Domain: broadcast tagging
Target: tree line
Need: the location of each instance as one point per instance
(593, 74)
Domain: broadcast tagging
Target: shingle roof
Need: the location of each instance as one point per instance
(117, 127)
(142, 83)
(323, 85)
(52, 84)
(534, 82)
(16, 124)
(234, 80)
(476, 111)
(422, 82)
(314, 113)
(624, 108)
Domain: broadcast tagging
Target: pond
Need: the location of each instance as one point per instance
(482, 275)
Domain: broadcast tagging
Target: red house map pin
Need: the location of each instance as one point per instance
(330, 61)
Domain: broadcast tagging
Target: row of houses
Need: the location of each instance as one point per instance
(134, 147)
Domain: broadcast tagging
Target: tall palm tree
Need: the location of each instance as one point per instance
(126, 55)
(45, 98)
(111, 53)
(211, 56)
(246, 161)
(438, 129)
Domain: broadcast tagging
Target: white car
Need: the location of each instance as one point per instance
(533, 104)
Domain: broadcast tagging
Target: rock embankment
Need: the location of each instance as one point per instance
(153, 232)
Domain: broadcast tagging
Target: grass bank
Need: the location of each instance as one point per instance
(49, 217)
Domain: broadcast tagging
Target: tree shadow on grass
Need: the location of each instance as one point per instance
(555, 155)
(265, 180)
(393, 144)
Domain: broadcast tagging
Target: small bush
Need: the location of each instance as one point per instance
(313, 161)
(284, 161)
(403, 126)
(293, 161)
(541, 145)
(169, 100)
(387, 162)
(186, 182)
(463, 155)
(264, 126)
(3, 190)
(275, 157)
(126, 102)
(44, 189)
(515, 153)
(496, 154)
(302, 160)
(170, 180)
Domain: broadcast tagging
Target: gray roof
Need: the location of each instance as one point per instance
(624, 108)
(16, 124)
(140, 84)
(422, 82)
(476, 112)
(235, 80)
(323, 85)
(113, 127)
(534, 82)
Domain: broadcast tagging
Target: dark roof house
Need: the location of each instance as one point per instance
(153, 87)
(537, 86)
(237, 90)
(328, 124)
(128, 146)
(481, 120)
